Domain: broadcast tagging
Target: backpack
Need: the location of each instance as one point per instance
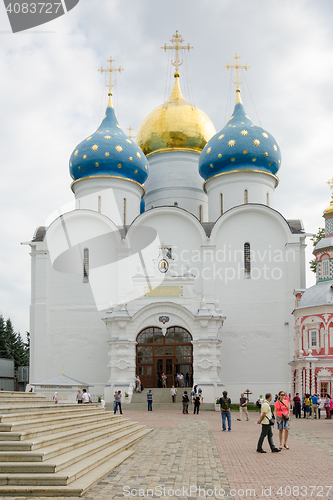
(185, 398)
(225, 404)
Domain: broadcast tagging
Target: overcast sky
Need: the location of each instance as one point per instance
(52, 97)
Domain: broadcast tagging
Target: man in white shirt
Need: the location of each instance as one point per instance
(173, 393)
(266, 427)
(86, 398)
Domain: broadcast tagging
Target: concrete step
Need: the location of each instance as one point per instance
(46, 423)
(49, 411)
(75, 470)
(22, 407)
(160, 395)
(36, 443)
(18, 394)
(14, 401)
(60, 449)
(49, 460)
(168, 406)
(76, 489)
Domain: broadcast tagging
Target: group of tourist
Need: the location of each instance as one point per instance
(312, 406)
(181, 380)
(195, 397)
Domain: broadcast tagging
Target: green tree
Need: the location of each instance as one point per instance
(4, 349)
(12, 345)
(316, 237)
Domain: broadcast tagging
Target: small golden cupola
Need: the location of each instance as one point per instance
(176, 124)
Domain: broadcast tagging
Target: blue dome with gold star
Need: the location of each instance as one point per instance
(109, 153)
(240, 146)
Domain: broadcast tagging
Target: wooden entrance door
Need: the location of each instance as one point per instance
(157, 354)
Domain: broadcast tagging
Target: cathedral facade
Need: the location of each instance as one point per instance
(174, 259)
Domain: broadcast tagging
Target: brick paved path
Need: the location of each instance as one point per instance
(190, 450)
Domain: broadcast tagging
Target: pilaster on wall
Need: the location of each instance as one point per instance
(39, 311)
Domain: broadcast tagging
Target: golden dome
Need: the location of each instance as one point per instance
(175, 125)
(330, 208)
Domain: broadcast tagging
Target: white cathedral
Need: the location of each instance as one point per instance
(174, 259)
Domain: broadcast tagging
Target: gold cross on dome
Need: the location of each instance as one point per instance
(237, 68)
(177, 40)
(330, 183)
(111, 69)
(130, 136)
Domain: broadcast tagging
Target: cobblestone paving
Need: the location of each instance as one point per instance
(312, 439)
(191, 450)
(181, 459)
(303, 471)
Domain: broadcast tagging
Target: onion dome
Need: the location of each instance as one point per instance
(175, 125)
(329, 210)
(240, 146)
(108, 153)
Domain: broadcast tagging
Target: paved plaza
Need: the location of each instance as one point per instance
(188, 452)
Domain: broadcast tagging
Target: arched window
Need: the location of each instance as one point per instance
(246, 196)
(325, 267)
(221, 201)
(247, 260)
(86, 265)
(99, 204)
(175, 204)
(200, 213)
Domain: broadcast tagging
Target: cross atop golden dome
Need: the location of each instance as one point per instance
(177, 40)
(330, 208)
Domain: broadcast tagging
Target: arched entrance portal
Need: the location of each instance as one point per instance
(156, 353)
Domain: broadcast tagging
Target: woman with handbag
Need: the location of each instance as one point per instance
(282, 418)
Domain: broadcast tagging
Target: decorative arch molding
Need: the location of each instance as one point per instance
(181, 213)
(252, 207)
(311, 321)
(78, 215)
(150, 314)
(324, 373)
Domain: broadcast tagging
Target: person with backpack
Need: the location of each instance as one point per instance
(225, 403)
(185, 401)
(314, 401)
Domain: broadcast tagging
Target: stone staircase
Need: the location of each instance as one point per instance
(59, 450)
(163, 400)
